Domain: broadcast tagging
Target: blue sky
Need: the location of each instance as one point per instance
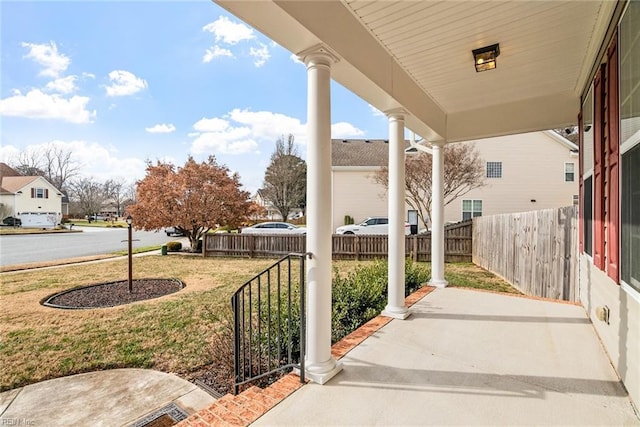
(123, 82)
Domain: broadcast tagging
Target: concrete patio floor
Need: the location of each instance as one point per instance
(466, 357)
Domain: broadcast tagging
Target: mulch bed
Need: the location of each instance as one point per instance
(112, 294)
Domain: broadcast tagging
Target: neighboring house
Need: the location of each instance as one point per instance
(515, 181)
(31, 198)
(273, 213)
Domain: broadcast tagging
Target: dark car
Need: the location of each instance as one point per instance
(12, 221)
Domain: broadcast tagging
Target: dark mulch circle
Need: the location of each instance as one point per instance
(112, 294)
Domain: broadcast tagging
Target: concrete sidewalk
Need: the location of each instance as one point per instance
(117, 397)
(466, 357)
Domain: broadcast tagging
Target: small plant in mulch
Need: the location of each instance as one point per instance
(111, 294)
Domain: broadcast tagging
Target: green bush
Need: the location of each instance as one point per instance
(357, 298)
(362, 295)
(348, 219)
(174, 246)
(414, 276)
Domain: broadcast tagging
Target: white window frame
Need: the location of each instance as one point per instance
(472, 211)
(573, 172)
(40, 193)
(625, 147)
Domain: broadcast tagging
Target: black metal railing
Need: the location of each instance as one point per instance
(269, 322)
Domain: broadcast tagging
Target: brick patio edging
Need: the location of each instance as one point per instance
(251, 404)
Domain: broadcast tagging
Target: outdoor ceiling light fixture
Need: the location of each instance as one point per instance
(485, 57)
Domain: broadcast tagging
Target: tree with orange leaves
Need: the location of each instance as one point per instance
(194, 198)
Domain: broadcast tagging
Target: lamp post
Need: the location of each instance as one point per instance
(15, 195)
(129, 222)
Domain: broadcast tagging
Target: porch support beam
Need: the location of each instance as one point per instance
(320, 365)
(395, 301)
(437, 216)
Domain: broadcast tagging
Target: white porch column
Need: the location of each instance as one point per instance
(395, 304)
(437, 217)
(320, 365)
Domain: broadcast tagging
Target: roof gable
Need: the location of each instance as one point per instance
(13, 184)
(6, 170)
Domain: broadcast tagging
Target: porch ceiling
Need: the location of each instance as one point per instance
(417, 55)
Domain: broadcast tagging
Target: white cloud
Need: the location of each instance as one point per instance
(270, 126)
(97, 161)
(214, 52)
(260, 54)
(48, 56)
(243, 131)
(293, 57)
(124, 83)
(63, 85)
(229, 32)
(161, 128)
(223, 143)
(344, 130)
(38, 105)
(211, 125)
(375, 111)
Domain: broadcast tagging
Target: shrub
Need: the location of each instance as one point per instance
(174, 246)
(358, 298)
(348, 219)
(414, 276)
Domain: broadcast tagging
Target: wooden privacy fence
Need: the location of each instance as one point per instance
(360, 247)
(534, 251)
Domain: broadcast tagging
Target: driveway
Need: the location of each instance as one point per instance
(26, 248)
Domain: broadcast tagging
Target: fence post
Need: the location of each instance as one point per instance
(251, 243)
(415, 248)
(357, 247)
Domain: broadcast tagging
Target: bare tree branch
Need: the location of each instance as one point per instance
(285, 180)
(463, 171)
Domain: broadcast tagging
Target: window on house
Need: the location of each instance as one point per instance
(576, 200)
(569, 172)
(494, 169)
(630, 145)
(471, 209)
(631, 217)
(587, 215)
(39, 193)
(587, 133)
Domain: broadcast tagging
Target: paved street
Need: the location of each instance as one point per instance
(20, 249)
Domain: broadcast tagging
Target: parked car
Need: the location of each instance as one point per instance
(173, 231)
(14, 222)
(371, 225)
(274, 228)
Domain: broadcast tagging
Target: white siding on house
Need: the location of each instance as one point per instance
(532, 169)
(621, 336)
(356, 194)
(25, 204)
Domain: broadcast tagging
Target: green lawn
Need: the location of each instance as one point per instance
(172, 334)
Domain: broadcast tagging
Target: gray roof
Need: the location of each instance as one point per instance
(359, 152)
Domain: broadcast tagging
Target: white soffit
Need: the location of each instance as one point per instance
(544, 46)
(417, 55)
